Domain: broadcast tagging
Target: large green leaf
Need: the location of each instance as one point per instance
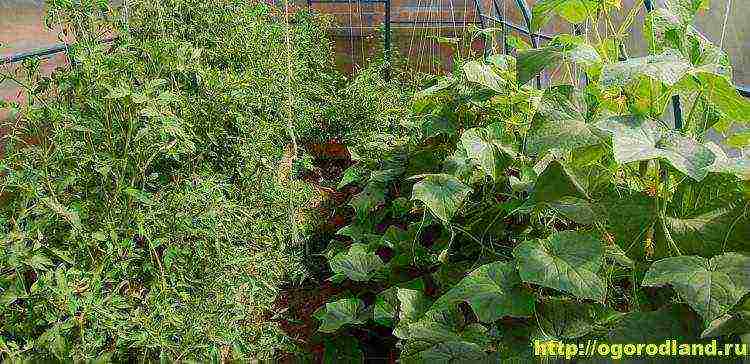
(342, 349)
(385, 307)
(373, 194)
(358, 263)
(432, 326)
(484, 75)
(564, 319)
(638, 139)
(413, 304)
(574, 11)
(739, 140)
(561, 124)
(578, 210)
(668, 323)
(566, 261)
(563, 48)
(668, 67)
(724, 228)
(334, 315)
(442, 194)
(454, 352)
(556, 182)
(479, 147)
(492, 291)
(739, 166)
(719, 91)
(711, 287)
(443, 84)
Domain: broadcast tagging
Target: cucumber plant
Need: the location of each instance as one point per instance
(578, 211)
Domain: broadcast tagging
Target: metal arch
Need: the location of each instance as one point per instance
(523, 6)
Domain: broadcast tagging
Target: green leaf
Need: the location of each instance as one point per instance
(454, 352)
(492, 291)
(352, 174)
(668, 323)
(70, 216)
(562, 123)
(574, 11)
(556, 182)
(442, 194)
(442, 84)
(62, 255)
(719, 91)
(740, 140)
(358, 264)
(686, 9)
(578, 210)
(566, 261)
(711, 287)
(638, 139)
(480, 150)
(39, 261)
(724, 228)
(739, 166)
(334, 315)
(668, 67)
(563, 48)
(413, 304)
(484, 75)
(385, 307)
(342, 349)
(435, 326)
(628, 217)
(616, 253)
(140, 196)
(118, 93)
(434, 125)
(371, 196)
(564, 319)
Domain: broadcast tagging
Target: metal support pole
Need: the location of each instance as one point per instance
(504, 30)
(578, 30)
(526, 12)
(677, 110)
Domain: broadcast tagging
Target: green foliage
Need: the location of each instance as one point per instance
(549, 214)
(151, 207)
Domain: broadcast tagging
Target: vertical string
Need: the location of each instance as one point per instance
(724, 27)
(413, 32)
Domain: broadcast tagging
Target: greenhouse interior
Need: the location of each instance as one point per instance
(375, 181)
